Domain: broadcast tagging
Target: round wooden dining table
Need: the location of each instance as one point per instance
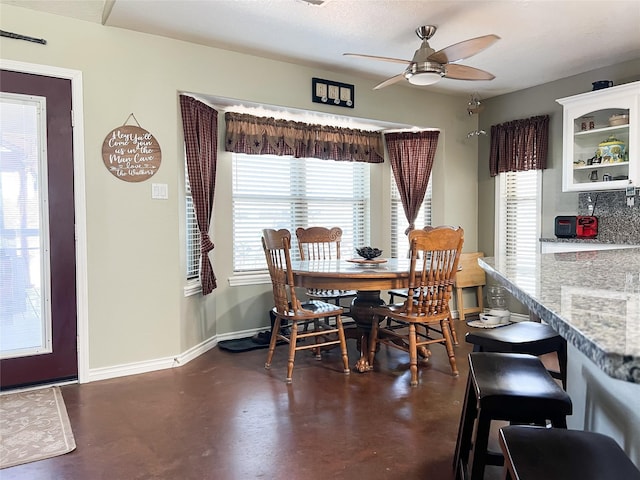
(368, 279)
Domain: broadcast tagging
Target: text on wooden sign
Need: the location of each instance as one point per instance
(131, 153)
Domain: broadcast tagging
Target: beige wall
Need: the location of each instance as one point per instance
(136, 308)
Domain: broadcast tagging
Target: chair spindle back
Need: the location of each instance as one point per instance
(277, 245)
(435, 253)
(319, 243)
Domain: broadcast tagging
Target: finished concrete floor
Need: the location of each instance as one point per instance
(224, 417)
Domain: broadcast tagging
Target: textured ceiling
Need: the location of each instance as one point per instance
(541, 41)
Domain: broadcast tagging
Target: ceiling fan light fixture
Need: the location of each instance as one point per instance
(425, 78)
(424, 73)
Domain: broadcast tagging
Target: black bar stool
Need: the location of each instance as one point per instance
(532, 453)
(509, 387)
(523, 337)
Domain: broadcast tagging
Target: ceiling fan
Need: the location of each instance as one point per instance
(428, 66)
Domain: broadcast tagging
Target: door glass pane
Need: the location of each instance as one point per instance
(25, 319)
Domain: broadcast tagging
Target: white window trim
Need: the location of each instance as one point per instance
(192, 287)
(254, 278)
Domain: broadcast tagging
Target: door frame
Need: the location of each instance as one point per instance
(80, 205)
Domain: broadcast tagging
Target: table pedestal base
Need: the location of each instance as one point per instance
(361, 313)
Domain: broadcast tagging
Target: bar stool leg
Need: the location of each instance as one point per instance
(480, 447)
(465, 431)
(559, 422)
(562, 363)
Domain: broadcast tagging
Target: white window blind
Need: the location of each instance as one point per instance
(399, 223)
(192, 232)
(25, 277)
(518, 226)
(285, 192)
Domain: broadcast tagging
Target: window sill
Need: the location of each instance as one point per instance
(252, 278)
(193, 287)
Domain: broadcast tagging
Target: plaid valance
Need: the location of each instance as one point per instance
(253, 135)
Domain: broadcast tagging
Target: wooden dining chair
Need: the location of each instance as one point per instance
(469, 280)
(321, 243)
(290, 314)
(423, 319)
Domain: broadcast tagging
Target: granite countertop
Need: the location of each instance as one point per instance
(590, 298)
(586, 240)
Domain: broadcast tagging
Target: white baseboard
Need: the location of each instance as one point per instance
(135, 368)
(153, 365)
(185, 357)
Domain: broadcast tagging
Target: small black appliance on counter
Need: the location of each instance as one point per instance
(565, 226)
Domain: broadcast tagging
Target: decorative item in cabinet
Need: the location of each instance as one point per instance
(611, 150)
(618, 119)
(587, 123)
(601, 139)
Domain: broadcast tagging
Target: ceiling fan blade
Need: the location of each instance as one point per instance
(390, 81)
(464, 49)
(464, 72)
(374, 57)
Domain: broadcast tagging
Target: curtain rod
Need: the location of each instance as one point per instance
(411, 130)
(17, 36)
(294, 114)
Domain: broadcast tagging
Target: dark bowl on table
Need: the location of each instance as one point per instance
(369, 253)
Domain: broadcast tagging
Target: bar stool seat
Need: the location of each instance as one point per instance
(532, 453)
(509, 387)
(532, 338)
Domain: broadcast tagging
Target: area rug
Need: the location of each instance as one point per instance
(259, 340)
(34, 425)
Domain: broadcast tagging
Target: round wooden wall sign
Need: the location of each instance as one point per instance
(131, 153)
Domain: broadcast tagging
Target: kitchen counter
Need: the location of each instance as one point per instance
(590, 298)
(579, 244)
(587, 241)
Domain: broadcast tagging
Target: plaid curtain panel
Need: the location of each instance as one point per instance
(411, 156)
(200, 124)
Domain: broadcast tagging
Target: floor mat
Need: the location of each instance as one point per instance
(260, 340)
(33, 426)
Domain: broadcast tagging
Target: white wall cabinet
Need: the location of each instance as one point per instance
(587, 124)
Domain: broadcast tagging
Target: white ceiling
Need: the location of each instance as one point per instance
(541, 40)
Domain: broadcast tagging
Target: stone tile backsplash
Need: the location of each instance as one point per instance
(617, 222)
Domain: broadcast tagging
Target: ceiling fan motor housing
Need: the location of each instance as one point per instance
(425, 32)
(424, 73)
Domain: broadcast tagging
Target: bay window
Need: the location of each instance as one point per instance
(285, 192)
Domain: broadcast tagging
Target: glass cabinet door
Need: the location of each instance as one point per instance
(600, 147)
